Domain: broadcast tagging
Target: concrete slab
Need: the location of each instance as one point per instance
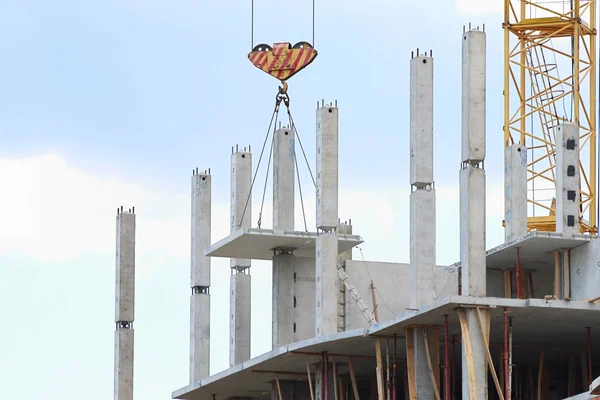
(536, 250)
(258, 244)
(536, 322)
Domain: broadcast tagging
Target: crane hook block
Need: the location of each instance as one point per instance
(282, 61)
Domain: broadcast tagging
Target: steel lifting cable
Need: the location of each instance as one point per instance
(262, 203)
(292, 123)
(273, 117)
(300, 189)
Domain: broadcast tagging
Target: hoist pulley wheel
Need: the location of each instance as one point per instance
(282, 61)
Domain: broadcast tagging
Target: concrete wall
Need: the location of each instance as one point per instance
(585, 271)
(304, 293)
(392, 283)
(543, 282)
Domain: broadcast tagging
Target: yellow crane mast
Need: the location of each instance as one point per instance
(549, 79)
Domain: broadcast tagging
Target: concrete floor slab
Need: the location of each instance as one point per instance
(557, 325)
(258, 244)
(535, 249)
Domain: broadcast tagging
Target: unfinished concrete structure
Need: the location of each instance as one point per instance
(124, 304)
(508, 323)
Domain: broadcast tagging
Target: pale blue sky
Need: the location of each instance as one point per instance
(109, 103)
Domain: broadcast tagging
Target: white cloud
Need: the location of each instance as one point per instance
(479, 7)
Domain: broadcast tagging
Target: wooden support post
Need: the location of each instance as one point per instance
(312, 394)
(484, 334)
(531, 286)
(466, 341)
(278, 386)
(507, 284)
(406, 384)
(410, 364)
(436, 389)
(436, 355)
(567, 274)
(379, 369)
(540, 376)
(353, 378)
(335, 380)
(557, 274)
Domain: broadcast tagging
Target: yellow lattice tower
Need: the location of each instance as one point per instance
(550, 78)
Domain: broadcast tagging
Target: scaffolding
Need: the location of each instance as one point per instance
(549, 79)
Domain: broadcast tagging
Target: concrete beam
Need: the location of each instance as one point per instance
(327, 167)
(200, 277)
(567, 179)
(240, 317)
(124, 306)
(283, 299)
(515, 192)
(284, 172)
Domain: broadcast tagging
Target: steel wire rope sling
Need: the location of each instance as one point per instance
(282, 61)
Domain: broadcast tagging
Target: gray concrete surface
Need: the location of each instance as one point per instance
(472, 201)
(284, 173)
(124, 305)
(283, 299)
(567, 179)
(327, 284)
(304, 298)
(258, 244)
(515, 192)
(327, 167)
(585, 271)
(200, 276)
(239, 323)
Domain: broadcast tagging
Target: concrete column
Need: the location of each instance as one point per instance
(283, 298)
(240, 281)
(344, 228)
(422, 198)
(327, 290)
(515, 191)
(425, 385)
(284, 172)
(200, 277)
(472, 198)
(239, 323)
(567, 179)
(124, 305)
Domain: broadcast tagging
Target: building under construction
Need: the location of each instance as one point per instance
(517, 321)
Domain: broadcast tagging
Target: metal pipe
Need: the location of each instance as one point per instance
(505, 352)
(394, 370)
(518, 274)
(453, 367)
(589, 345)
(446, 360)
